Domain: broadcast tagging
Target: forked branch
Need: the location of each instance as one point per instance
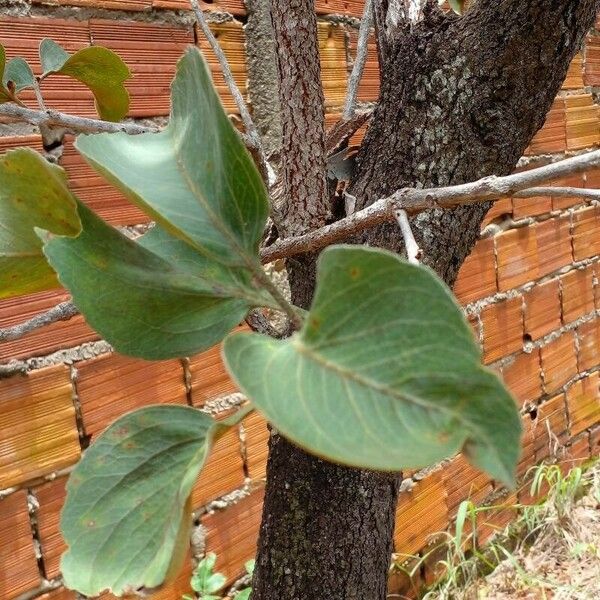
(414, 201)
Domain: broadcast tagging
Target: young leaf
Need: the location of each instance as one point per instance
(384, 375)
(126, 500)
(52, 56)
(244, 594)
(33, 193)
(152, 298)
(5, 95)
(100, 69)
(18, 75)
(195, 178)
(457, 6)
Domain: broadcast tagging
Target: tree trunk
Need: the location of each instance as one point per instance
(460, 99)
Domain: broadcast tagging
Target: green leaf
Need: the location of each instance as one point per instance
(52, 56)
(153, 298)
(195, 178)
(5, 95)
(244, 594)
(249, 566)
(33, 193)
(458, 6)
(100, 69)
(19, 74)
(384, 375)
(125, 509)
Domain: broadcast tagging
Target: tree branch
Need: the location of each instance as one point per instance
(359, 61)
(53, 118)
(414, 201)
(61, 312)
(251, 132)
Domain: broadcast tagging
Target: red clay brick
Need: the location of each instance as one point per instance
(559, 362)
(502, 329)
(586, 224)
(552, 137)
(551, 427)
(421, 513)
(223, 471)
(51, 497)
(574, 78)
(18, 565)
(531, 207)
(477, 276)
(500, 208)
(209, 378)
(581, 121)
(577, 293)
(517, 256)
(542, 309)
(554, 245)
(38, 431)
(45, 340)
(464, 482)
(583, 401)
(232, 534)
(257, 445)
(588, 335)
(111, 385)
(575, 180)
(523, 376)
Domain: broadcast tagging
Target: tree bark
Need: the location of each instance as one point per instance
(460, 98)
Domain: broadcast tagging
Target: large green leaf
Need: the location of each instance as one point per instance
(100, 69)
(153, 298)
(126, 516)
(18, 75)
(195, 178)
(33, 193)
(385, 374)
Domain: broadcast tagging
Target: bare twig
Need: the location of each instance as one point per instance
(559, 192)
(60, 312)
(413, 252)
(339, 133)
(38, 94)
(251, 131)
(54, 118)
(359, 61)
(414, 201)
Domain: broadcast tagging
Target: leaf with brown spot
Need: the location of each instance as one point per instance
(127, 514)
(385, 374)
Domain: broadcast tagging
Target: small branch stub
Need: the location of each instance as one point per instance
(413, 252)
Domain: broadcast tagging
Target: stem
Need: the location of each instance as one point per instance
(359, 62)
(289, 309)
(38, 94)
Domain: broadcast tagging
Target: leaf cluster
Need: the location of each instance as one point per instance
(383, 373)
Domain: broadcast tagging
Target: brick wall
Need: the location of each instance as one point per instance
(530, 288)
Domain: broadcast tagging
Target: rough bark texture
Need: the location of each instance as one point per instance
(303, 203)
(262, 74)
(460, 99)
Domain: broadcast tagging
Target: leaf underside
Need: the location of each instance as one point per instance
(126, 515)
(384, 375)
